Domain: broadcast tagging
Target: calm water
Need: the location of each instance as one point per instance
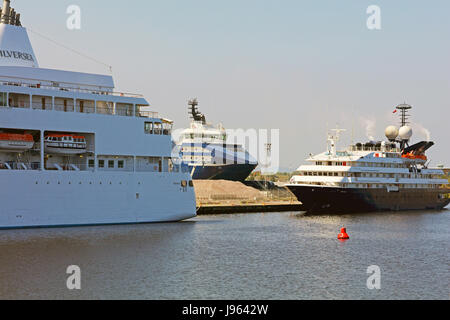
(254, 256)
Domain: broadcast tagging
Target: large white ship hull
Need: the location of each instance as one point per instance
(51, 198)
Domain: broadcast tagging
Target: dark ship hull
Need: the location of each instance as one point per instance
(232, 172)
(317, 199)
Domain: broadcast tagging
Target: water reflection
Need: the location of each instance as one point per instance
(246, 256)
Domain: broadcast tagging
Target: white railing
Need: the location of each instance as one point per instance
(147, 114)
(70, 89)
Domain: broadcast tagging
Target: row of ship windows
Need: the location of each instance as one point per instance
(186, 158)
(36, 102)
(110, 164)
(183, 183)
(371, 185)
(360, 164)
(205, 136)
(369, 175)
(158, 128)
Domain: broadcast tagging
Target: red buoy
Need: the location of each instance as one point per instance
(343, 235)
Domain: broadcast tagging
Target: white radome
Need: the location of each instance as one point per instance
(405, 133)
(391, 133)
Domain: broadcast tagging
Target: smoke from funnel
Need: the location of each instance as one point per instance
(421, 129)
(370, 127)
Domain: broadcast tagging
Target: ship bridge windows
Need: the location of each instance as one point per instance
(167, 127)
(157, 128)
(148, 127)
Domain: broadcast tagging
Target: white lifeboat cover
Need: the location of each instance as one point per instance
(15, 47)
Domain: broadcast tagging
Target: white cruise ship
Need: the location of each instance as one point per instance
(74, 152)
(204, 150)
(383, 176)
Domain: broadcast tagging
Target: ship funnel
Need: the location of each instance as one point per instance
(15, 46)
(5, 12)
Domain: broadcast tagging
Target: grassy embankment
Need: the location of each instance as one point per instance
(277, 177)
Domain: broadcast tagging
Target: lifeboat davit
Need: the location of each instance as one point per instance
(13, 142)
(67, 144)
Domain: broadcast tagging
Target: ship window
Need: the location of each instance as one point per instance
(111, 164)
(105, 107)
(124, 109)
(157, 128)
(42, 103)
(149, 127)
(101, 163)
(120, 164)
(3, 99)
(167, 128)
(91, 163)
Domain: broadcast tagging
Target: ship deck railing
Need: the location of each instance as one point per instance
(72, 89)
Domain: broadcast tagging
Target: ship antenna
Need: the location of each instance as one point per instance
(404, 113)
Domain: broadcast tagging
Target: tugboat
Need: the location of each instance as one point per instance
(205, 153)
(375, 176)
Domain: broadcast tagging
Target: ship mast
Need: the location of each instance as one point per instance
(404, 116)
(333, 140)
(193, 111)
(404, 113)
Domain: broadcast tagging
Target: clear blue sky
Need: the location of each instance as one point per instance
(290, 65)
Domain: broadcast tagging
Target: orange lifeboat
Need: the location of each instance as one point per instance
(67, 144)
(13, 142)
(413, 156)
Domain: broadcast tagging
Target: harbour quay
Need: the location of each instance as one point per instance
(229, 197)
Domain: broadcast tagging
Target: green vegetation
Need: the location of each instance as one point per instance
(278, 177)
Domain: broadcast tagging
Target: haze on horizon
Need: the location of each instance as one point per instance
(297, 66)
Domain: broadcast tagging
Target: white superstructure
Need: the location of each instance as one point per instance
(96, 156)
(371, 165)
(385, 175)
(204, 150)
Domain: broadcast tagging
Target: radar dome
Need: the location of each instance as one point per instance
(405, 133)
(391, 133)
